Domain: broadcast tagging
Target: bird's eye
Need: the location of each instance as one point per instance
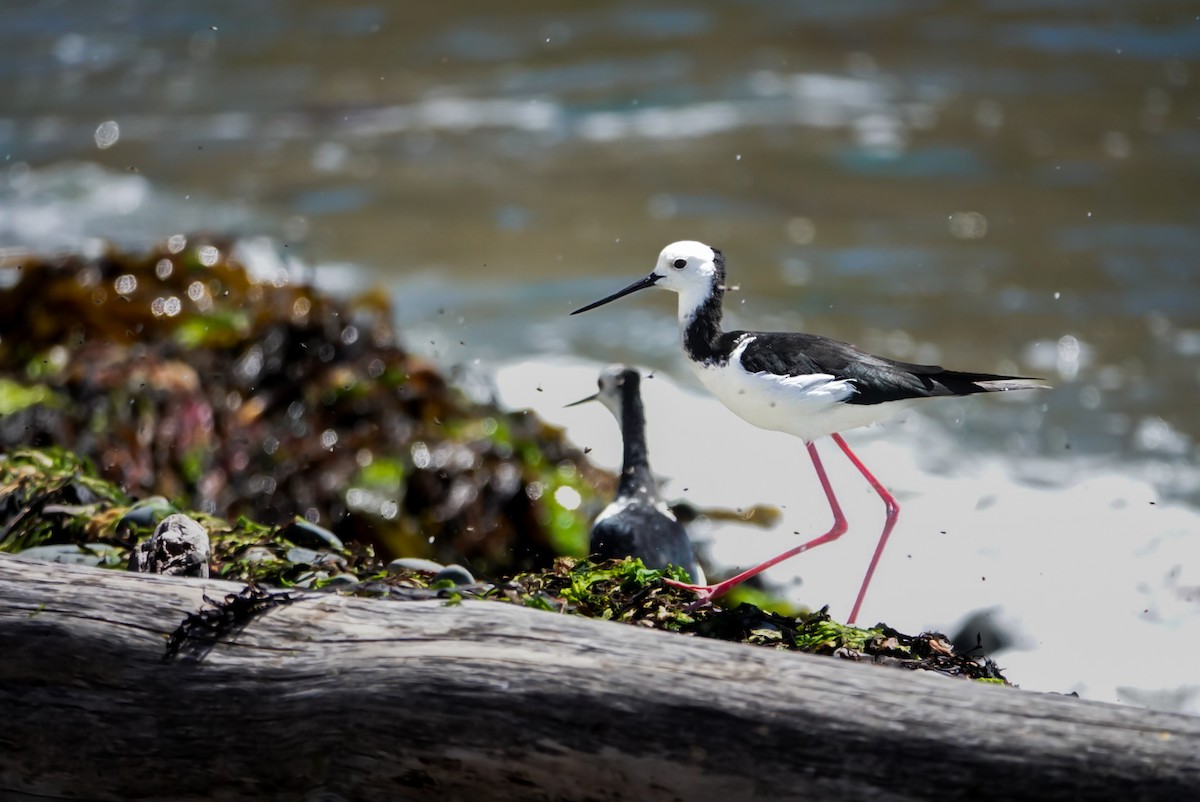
(680, 264)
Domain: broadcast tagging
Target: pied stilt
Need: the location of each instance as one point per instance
(803, 384)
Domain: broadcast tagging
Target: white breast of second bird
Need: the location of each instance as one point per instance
(807, 406)
(619, 506)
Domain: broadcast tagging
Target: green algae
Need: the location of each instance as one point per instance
(15, 396)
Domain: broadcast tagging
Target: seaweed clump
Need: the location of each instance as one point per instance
(53, 506)
(627, 591)
(181, 375)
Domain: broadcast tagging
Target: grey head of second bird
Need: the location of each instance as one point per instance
(612, 382)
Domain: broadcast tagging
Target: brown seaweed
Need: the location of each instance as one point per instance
(181, 375)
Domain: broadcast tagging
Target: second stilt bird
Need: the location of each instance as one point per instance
(803, 384)
(638, 522)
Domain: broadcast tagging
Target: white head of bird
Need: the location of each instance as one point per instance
(694, 270)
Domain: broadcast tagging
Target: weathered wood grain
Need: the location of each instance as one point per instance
(362, 699)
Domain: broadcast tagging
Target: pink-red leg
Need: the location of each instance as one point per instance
(706, 592)
(893, 510)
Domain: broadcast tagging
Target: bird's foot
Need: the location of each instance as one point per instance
(704, 593)
(699, 590)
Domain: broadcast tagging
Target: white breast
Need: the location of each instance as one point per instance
(618, 506)
(808, 406)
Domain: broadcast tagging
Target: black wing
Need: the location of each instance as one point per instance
(876, 378)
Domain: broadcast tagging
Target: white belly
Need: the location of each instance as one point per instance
(805, 406)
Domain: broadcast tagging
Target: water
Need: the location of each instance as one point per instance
(999, 186)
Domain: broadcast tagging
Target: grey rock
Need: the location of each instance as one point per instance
(258, 554)
(178, 547)
(303, 556)
(415, 564)
(308, 579)
(94, 554)
(307, 534)
(456, 574)
(341, 581)
(146, 512)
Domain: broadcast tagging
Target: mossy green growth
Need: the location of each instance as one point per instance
(825, 636)
(567, 501)
(218, 329)
(629, 592)
(619, 590)
(592, 586)
(539, 602)
(762, 599)
(383, 475)
(15, 396)
(55, 498)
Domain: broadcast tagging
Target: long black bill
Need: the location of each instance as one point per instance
(593, 397)
(641, 284)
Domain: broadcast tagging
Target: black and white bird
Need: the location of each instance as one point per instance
(803, 384)
(638, 522)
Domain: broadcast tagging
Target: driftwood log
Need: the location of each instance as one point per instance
(344, 698)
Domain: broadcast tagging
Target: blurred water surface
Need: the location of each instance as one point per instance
(998, 185)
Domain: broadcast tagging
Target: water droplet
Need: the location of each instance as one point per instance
(1069, 350)
(568, 497)
(1117, 144)
(989, 114)
(968, 225)
(420, 455)
(249, 365)
(107, 134)
(125, 284)
(662, 206)
(801, 230)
